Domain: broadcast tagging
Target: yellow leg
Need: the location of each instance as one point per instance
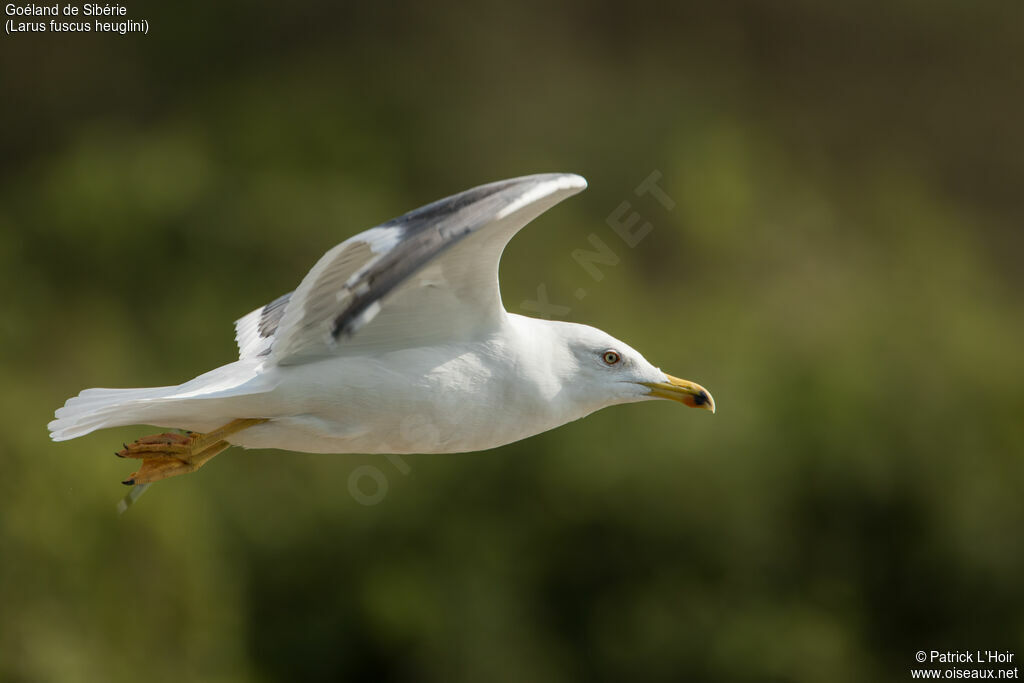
(168, 455)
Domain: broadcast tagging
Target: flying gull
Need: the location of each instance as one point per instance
(395, 342)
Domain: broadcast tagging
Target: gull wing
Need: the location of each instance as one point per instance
(424, 277)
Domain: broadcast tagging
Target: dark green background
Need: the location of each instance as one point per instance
(841, 268)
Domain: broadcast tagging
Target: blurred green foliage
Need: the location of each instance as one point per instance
(841, 268)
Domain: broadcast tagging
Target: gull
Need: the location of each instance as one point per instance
(395, 342)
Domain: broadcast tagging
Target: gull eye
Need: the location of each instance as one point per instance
(610, 357)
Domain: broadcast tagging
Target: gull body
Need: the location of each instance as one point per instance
(433, 399)
(397, 342)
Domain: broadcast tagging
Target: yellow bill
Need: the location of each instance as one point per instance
(684, 391)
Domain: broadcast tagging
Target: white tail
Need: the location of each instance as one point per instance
(99, 408)
(197, 404)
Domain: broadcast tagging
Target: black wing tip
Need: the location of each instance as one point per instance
(460, 200)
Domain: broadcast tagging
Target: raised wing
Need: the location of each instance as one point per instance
(424, 277)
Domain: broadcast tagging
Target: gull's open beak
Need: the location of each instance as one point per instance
(682, 390)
